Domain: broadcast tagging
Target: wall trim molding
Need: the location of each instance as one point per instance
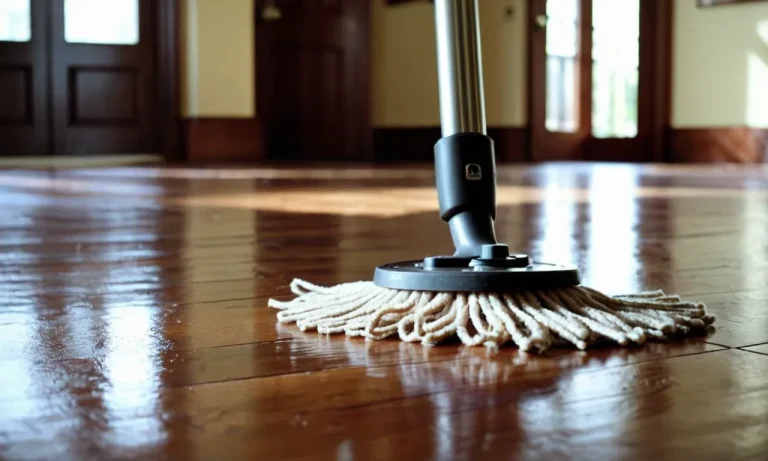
(734, 144)
(223, 138)
(209, 139)
(416, 144)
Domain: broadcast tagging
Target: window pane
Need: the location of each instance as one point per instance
(108, 22)
(615, 67)
(562, 54)
(15, 21)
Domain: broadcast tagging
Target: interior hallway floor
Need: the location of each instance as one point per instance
(133, 317)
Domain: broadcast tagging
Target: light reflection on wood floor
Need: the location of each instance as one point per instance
(133, 319)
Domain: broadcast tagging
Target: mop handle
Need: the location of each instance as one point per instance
(459, 67)
(465, 166)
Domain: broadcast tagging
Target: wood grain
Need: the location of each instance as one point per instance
(133, 318)
(222, 139)
(719, 145)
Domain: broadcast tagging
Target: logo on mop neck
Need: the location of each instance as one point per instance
(473, 172)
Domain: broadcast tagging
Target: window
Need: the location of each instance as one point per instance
(562, 45)
(113, 22)
(15, 21)
(615, 67)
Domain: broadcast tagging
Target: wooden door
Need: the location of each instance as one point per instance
(103, 76)
(599, 86)
(24, 122)
(313, 78)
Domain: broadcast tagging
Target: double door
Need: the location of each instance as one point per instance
(77, 77)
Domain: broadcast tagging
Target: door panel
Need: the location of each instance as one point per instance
(23, 79)
(103, 81)
(16, 81)
(312, 74)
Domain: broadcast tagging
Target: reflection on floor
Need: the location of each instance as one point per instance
(50, 162)
(133, 319)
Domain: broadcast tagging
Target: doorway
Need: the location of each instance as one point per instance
(599, 79)
(86, 77)
(312, 78)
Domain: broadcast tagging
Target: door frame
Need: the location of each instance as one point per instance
(170, 137)
(656, 24)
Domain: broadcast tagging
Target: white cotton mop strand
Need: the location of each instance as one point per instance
(531, 320)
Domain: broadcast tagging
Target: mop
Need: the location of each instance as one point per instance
(482, 294)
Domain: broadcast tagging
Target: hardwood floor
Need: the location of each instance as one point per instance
(133, 318)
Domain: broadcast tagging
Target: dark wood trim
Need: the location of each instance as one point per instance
(661, 25)
(584, 107)
(221, 139)
(511, 143)
(170, 137)
(405, 144)
(365, 121)
(416, 144)
(719, 145)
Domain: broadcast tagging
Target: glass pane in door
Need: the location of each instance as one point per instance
(15, 21)
(562, 25)
(106, 22)
(615, 67)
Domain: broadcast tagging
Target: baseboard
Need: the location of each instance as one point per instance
(221, 139)
(402, 144)
(218, 139)
(719, 145)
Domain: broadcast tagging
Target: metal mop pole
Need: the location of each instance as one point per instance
(459, 64)
(464, 157)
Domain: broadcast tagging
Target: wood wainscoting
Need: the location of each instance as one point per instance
(416, 144)
(215, 139)
(719, 145)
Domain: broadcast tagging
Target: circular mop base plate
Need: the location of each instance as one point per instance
(412, 275)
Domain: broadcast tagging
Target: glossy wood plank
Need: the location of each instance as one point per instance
(309, 353)
(479, 408)
(133, 318)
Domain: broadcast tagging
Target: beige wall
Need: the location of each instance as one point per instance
(218, 77)
(218, 58)
(404, 66)
(720, 64)
(720, 71)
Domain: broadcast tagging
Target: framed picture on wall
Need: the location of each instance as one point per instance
(705, 3)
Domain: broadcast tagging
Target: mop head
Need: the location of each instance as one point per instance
(532, 320)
